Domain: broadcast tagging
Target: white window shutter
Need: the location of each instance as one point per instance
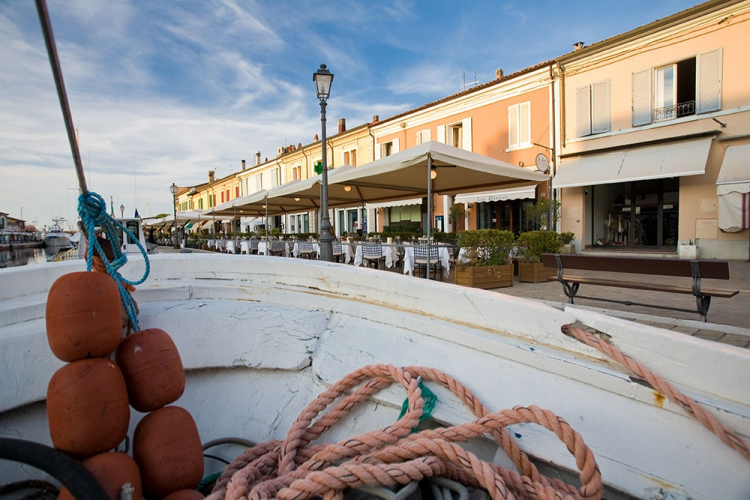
(709, 81)
(583, 111)
(513, 126)
(600, 121)
(642, 98)
(419, 138)
(395, 147)
(378, 147)
(426, 135)
(524, 124)
(466, 125)
(441, 133)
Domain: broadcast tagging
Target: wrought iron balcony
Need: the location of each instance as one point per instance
(676, 111)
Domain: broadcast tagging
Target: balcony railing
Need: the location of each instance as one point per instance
(676, 111)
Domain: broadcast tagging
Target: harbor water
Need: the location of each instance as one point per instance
(26, 256)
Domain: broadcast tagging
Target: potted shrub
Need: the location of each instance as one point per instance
(567, 242)
(484, 258)
(531, 245)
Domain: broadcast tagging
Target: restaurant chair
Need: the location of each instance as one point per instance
(305, 250)
(338, 252)
(420, 261)
(372, 255)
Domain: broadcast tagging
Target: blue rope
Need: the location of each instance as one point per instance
(93, 211)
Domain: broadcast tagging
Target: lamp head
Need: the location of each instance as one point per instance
(347, 188)
(433, 174)
(323, 79)
(173, 189)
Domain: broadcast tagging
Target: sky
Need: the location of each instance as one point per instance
(161, 92)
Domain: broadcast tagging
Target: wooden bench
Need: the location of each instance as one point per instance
(695, 269)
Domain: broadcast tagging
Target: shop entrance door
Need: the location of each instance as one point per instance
(636, 214)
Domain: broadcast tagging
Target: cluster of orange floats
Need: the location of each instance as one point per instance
(89, 399)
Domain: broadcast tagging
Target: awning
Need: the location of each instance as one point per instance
(207, 224)
(675, 159)
(189, 225)
(500, 195)
(733, 188)
(734, 176)
(399, 203)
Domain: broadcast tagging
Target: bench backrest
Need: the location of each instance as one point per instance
(709, 269)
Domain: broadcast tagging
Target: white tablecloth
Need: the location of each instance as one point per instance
(231, 246)
(390, 254)
(263, 245)
(245, 247)
(348, 251)
(443, 255)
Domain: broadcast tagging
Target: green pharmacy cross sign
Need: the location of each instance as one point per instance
(318, 167)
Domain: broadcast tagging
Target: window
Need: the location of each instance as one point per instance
(297, 173)
(222, 196)
(456, 135)
(683, 88)
(237, 192)
(350, 157)
(592, 109)
(200, 203)
(386, 149)
(423, 136)
(258, 183)
(519, 126)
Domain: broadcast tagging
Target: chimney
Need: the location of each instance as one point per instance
(577, 46)
(499, 74)
(210, 176)
(375, 118)
(342, 125)
(257, 158)
(316, 138)
(299, 145)
(243, 164)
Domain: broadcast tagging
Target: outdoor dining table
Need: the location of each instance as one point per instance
(315, 247)
(263, 247)
(443, 255)
(231, 246)
(221, 244)
(346, 247)
(390, 252)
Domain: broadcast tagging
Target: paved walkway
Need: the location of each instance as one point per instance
(728, 319)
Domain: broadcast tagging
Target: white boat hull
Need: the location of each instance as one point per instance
(260, 337)
(59, 242)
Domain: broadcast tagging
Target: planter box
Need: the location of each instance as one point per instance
(485, 277)
(535, 272)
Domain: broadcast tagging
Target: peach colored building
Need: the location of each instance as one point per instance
(650, 121)
(509, 118)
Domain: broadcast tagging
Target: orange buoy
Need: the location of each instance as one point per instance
(112, 470)
(167, 448)
(185, 495)
(84, 316)
(87, 407)
(152, 368)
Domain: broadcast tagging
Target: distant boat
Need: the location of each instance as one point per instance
(56, 238)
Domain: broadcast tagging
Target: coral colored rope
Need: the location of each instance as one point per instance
(292, 469)
(727, 435)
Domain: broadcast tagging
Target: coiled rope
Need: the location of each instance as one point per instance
(292, 469)
(93, 212)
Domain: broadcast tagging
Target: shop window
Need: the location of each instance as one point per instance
(593, 109)
(519, 126)
(683, 88)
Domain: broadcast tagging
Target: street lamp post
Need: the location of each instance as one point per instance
(122, 211)
(323, 79)
(173, 189)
